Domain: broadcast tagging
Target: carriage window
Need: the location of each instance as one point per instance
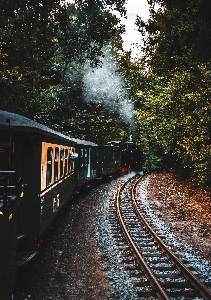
(85, 157)
(82, 157)
(56, 160)
(70, 162)
(61, 163)
(65, 162)
(49, 166)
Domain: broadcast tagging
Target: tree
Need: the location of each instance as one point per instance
(39, 40)
(177, 33)
(174, 107)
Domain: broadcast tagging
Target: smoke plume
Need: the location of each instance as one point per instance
(105, 85)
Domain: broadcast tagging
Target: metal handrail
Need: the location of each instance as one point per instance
(7, 190)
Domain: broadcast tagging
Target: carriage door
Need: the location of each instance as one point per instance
(89, 163)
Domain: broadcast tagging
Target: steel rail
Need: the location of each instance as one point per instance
(160, 292)
(204, 291)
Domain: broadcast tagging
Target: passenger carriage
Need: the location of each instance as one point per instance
(41, 158)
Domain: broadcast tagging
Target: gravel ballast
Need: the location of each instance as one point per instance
(68, 265)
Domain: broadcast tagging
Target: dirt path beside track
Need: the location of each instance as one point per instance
(185, 210)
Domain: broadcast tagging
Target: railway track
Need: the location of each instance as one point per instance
(167, 275)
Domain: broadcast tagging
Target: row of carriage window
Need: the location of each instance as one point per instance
(62, 162)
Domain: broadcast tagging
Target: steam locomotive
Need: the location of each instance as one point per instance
(40, 170)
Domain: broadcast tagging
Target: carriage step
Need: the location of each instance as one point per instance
(25, 257)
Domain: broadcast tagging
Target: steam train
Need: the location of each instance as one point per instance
(40, 170)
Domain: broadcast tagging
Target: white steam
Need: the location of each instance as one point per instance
(105, 85)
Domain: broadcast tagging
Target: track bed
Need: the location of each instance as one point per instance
(85, 256)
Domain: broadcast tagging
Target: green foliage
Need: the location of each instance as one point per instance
(177, 30)
(40, 41)
(173, 114)
(174, 121)
(43, 48)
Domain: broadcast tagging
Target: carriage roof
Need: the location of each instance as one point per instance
(16, 122)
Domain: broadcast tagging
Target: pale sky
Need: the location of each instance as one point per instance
(134, 8)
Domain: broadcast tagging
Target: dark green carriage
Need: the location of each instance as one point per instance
(86, 163)
(25, 146)
(8, 234)
(110, 160)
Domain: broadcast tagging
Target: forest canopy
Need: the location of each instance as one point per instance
(174, 97)
(44, 47)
